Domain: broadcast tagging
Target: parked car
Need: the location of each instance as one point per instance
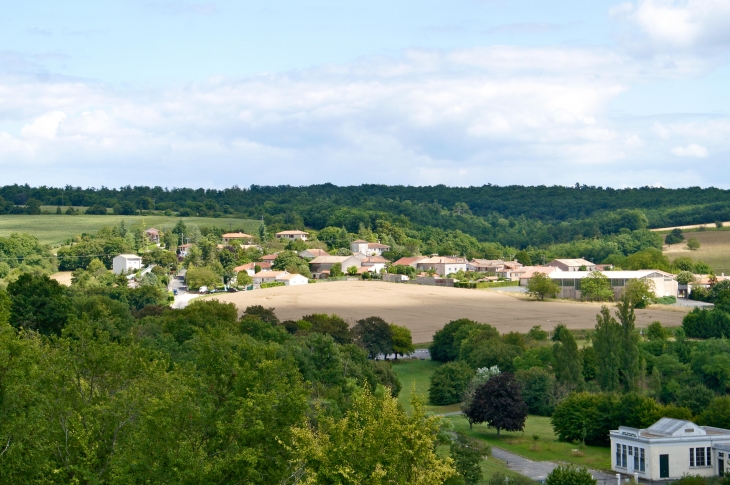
(232, 290)
(203, 289)
(174, 292)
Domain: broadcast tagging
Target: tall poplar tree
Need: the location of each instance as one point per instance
(568, 365)
(607, 343)
(631, 367)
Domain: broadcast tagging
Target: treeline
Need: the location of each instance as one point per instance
(623, 377)
(515, 215)
(107, 385)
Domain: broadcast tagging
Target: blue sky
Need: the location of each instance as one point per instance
(464, 92)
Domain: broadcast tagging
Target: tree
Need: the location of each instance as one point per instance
(568, 367)
(33, 206)
(524, 258)
(447, 341)
(38, 303)
(674, 237)
(197, 277)
(537, 386)
(540, 285)
(291, 262)
(331, 325)
(352, 270)
(4, 308)
(607, 341)
(596, 287)
(685, 277)
(702, 268)
(693, 244)
(631, 363)
(402, 340)
(373, 335)
(498, 402)
(570, 475)
(336, 270)
(375, 441)
(639, 292)
(655, 331)
(717, 413)
(448, 383)
(468, 454)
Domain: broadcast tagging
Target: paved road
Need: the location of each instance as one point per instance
(692, 304)
(538, 470)
(422, 354)
(183, 297)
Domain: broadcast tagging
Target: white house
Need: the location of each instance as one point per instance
(267, 276)
(669, 449)
(293, 279)
(569, 281)
(321, 265)
(125, 263)
(249, 268)
(237, 237)
(578, 264)
(292, 235)
(367, 248)
(442, 265)
(182, 250)
(412, 262)
(374, 263)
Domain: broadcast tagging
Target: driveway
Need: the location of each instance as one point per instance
(538, 470)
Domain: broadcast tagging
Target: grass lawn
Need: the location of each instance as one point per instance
(57, 229)
(546, 448)
(714, 249)
(418, 373)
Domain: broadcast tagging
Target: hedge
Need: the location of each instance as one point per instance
(272, 284)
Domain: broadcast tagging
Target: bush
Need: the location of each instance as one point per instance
(96, 209)
(273, 284)
(570, 475)
(674, 237)
(466, 284)
(693, 244)
(701, 323)
(447, 341)
(449, 382)
(666, 300)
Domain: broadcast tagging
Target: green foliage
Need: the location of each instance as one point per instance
(540, 285)
(373, 334)
(272, 284)
(336, 270)
(674, 237)
(468, 454)
(717, 413)
(446, 343)
(606, 342)
(655, 331)
(570, 475)
(4, 308)
(198, 276)
(640, 293)
(291, 262)
(331, 325)
(567, 363)
(596, 287)
(402, 340)
(685, 277)
(38, 303)
(498, 402)
(449, 382)
(693, 244)
(702, 323)
(538, 390)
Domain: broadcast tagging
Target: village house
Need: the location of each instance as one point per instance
(412, 262)
(312, 253)
(183, 249)
(442, 265)
(321, 265)
(268, 258)
(485, 265)
(126, 263)
(670, 449)
(237, 237)
(293, 279)
(368, 248)
(249, 268)
(152, 235)
(373, 264)
(578, 264)
(267, 276)
(292, 235)
(511, 270)
(569, 282)
(528, 272)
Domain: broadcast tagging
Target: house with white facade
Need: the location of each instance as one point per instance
(368, 248)
(373, 264)
(126, 263)
(152, 234)
(442, 265)
(249, 268)
(670, 449)
(410, 261)
(578, 264)
(292, 235)
(183, 249)
(569, 281)
(321, 265)
(293, 279)
(267, 276)
(237, 238)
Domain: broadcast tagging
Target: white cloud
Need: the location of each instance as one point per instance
(690, 151)
(499, 114)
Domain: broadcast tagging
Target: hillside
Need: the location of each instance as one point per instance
(714, 249)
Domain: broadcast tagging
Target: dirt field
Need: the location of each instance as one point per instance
(63, 277)
(686, 228)
(426, 309)
(714, 249)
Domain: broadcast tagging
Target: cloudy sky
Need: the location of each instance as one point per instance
(459, 92)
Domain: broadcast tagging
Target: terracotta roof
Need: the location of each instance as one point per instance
(185, 245)
(329, 259)
(442, 260)
(236, 235)
(244, 267)
(289, 276)
(378, 246)
(264, 264)
(531, 270)
(486, 262)
(291, 232)
(152, 230)
(375, 259)
(269, 257)
(409, 261)
(269, 274)
(316, 252)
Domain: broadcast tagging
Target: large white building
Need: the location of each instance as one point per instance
(569, 281)
(126, 263)
(669, 449)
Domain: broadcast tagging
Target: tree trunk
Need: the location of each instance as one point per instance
(471, 425)
(498, 430)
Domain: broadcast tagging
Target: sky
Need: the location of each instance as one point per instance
(460, 92)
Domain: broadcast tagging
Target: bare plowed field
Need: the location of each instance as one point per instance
(426, 309)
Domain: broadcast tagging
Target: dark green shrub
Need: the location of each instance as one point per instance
(449, 382)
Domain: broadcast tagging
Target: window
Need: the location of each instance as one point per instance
(636, 458)
(642, 461)
(709, 456)
(691, 457)
(699, 457)
(623, 456)
(618, 455)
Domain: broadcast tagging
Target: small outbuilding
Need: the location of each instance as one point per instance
(125, 263)
(670, 449)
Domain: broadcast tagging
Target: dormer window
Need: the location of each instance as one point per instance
(689, 430)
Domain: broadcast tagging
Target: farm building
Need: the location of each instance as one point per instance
(125, 263)
(569, 281)
(312, 253)
(670, 449)
(578, 264)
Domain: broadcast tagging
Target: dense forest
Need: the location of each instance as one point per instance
(516, 216)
